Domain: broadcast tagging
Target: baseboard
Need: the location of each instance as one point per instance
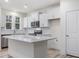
(10, 56)
(4, 47)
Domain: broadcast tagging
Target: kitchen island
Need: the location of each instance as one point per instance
(26, 46)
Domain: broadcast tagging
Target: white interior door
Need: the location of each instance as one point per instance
(72, 33)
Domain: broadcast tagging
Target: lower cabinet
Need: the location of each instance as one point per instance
(4, 42)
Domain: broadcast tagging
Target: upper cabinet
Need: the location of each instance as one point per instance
(25, 22)
(30, 19)
(34, 17)
(17, 22)
(8, 22)
(43, 20)
(12, 22)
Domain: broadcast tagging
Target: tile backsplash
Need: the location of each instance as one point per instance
(44, 30)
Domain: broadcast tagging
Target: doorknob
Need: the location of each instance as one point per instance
(67, 35)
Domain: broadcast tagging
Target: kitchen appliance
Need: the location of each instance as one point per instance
(4, 41)
(35, 24)
(38, 31)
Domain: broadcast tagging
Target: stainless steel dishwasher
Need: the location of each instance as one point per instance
(4, 41)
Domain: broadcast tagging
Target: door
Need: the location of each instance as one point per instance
(72, 33)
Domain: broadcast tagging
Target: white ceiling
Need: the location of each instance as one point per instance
(18, 5)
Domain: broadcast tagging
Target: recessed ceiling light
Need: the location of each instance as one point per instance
(6, 0)
(25, 6)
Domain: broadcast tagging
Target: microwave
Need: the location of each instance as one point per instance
(35, 24)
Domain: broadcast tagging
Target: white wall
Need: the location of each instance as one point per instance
(52, 11)
(54, 26)
(0, 29)
(66, 5)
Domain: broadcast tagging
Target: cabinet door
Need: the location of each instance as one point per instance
(8, 22)
(43, 20)
(35, 16)
(29, 21)
(17, 22)
(25, 22)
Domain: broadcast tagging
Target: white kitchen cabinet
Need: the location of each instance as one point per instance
(8, 22)
(29, 20)
(12, 22)
(17, 22)
(25, 22)
(43, 20)
(35, 16)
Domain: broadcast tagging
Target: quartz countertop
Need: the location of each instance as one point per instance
(29, 38)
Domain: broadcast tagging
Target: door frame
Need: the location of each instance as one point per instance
(66, 30)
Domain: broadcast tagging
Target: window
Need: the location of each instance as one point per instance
(17, 22)
(8, 22)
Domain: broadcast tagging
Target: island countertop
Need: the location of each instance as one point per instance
(29, 38)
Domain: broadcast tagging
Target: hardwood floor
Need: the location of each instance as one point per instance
(52, 53)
